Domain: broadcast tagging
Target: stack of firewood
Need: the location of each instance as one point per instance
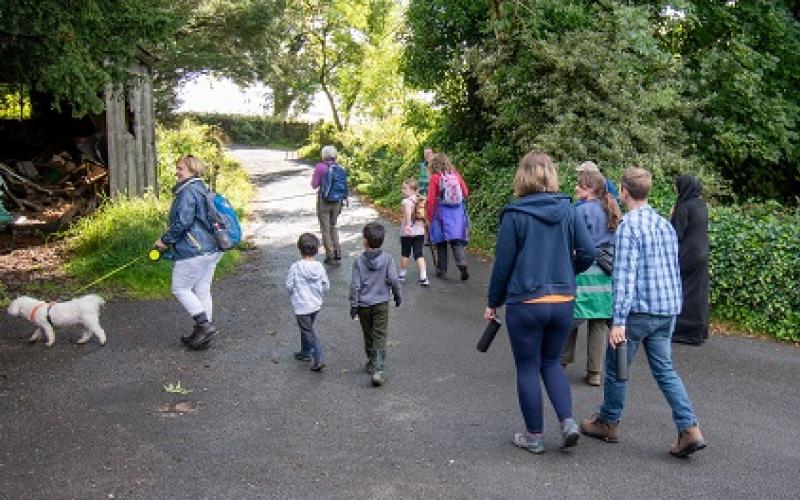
(47, 198)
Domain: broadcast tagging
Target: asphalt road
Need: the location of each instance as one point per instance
(95, 422)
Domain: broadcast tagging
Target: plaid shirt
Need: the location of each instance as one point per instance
(646, 274)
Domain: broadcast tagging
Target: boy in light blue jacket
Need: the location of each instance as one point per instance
(307, 283)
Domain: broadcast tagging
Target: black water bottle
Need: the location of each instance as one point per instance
(489, 334)
(621, 352)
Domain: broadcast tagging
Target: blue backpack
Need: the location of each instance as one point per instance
(334, 184)
(224, 222)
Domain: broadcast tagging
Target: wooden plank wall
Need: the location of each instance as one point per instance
(131, 142)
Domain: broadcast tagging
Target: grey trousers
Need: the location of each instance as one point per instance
(595, 345)
(459, 254)
(327, 213)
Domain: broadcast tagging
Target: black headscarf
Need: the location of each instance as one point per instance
(689, 187)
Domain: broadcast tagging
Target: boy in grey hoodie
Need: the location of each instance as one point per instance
(307, 283)
(374, 273)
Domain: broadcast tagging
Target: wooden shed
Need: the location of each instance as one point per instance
(131, 134)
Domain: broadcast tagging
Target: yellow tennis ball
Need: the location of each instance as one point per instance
(154, 254)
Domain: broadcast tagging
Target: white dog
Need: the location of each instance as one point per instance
(83, 311)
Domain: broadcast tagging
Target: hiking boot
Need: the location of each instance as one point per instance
(424, 282)
(592, 378)
(204, 333)
(302, 356)
(598, 428)
(689, 441)
(569, 433)
(464, 273)
(188, 338)
(533, 443)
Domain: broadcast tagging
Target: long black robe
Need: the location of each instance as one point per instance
(690, 220)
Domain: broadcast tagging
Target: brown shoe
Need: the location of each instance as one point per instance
(598, 428)
(689, 441)
(592, 378)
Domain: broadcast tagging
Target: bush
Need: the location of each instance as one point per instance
(755, 268)
(255, 130)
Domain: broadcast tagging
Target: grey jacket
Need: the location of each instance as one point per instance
(307, 283)
(373, 274)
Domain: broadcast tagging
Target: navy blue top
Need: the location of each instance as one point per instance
(541, 246)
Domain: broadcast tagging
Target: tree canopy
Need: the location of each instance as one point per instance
(73, 49)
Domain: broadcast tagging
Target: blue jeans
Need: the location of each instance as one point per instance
(537, 333)
(309, 343)
(654, 333)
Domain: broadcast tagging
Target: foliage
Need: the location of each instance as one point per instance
(745, 63)
(73, 49)
(15, 103)
(755, 267)
(226, 37)
(255, 130)
(124, 229)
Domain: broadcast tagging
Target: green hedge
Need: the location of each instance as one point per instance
(255, 130)
(755, 268)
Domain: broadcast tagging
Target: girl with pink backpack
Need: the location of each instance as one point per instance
(447, 215)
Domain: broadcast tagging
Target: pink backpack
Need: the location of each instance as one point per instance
(450, 189)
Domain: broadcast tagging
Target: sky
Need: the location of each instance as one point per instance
(221, 95)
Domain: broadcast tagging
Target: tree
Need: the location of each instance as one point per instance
(72, 50)
(225, 37)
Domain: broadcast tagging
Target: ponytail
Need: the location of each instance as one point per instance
(613, 213)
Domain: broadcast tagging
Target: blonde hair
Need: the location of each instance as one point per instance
(637, 181)
(412, 183)
(596, 184)
(193, 164)
(441, 163)
(536, 174)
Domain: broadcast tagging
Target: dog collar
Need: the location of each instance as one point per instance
(38, 306)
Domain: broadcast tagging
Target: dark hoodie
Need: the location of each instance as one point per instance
(373, 274)
(541, 246)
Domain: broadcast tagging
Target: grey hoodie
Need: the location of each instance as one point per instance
(373, 273)
(307, 283)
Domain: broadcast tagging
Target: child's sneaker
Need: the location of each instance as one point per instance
(302, 356)
(424, 282)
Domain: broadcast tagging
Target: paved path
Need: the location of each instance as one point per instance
(94, 422)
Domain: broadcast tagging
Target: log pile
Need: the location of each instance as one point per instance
(46, 196)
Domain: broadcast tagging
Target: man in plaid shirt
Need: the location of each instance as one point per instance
(647, 298)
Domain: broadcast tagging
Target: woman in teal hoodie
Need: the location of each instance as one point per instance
(541, 246)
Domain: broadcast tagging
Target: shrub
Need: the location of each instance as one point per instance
(255, 130)
(755, 268)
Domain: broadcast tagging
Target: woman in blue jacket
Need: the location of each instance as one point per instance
(541, 246)
(194, 250)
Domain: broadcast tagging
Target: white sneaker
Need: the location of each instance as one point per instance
(424, 282)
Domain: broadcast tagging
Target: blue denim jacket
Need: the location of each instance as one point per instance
(188, 233)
